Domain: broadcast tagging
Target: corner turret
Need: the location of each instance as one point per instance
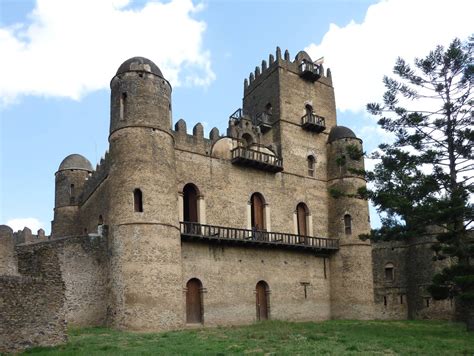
(69, 184)
(140, 96)
(351, 267)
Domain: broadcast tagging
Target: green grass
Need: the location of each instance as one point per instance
(280, 338)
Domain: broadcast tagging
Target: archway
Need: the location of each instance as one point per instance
(257, 204)
(194, 312)
(263, 304)
(190, 203)
(302, 213)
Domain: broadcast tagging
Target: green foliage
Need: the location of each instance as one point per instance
(277, 337)
(336, 193)
(341, 160)
(424, 181)
(354, 152)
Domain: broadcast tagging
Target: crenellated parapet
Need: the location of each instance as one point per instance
(96, 177)
(195, 142)
(302, 65)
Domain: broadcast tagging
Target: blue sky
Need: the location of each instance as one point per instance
(57, 58)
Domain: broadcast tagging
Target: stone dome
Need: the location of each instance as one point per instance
(338, 132)
(139, 64)
(75, 161)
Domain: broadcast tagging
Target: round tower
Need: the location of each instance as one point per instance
(143, 225)
(69, 183)
(352, 291)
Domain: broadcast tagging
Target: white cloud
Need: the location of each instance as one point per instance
(70, 48)
(359, 55)
(32, 223)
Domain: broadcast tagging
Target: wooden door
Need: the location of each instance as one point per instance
(193, 301)
(301, 213)
(190, 204)
(262, 301)
(257, 212)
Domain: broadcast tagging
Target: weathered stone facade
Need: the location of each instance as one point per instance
(402, 272)
(173, 229)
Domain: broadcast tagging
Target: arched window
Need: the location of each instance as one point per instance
(190, 203)
(389, 275)
(194, 307)
(347, 224)
(138, 200)
(247, 138)
(257, 204)
(309, 110)
(263, 303)
(311, 164)
(268, 109)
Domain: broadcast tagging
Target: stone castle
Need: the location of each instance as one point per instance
(173, 229)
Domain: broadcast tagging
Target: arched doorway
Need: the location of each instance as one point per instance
(194, 314)
(190, 203)
(263, 304)
(302, 213)
(257, 204)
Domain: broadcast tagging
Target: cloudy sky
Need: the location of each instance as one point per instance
(57, 58)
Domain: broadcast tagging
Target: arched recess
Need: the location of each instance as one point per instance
(302, 223)
(247, 140)
(262, 292)
(257, 212)
(309, 110)
(190, 203)
(138, 200)
(311, 164)
(194, 306)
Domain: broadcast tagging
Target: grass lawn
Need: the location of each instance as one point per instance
(278, 337)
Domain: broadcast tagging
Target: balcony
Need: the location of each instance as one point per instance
(312, 122)
(264, 120)
(198, 232)
(237, 115)
(248, 157)
(309, 70)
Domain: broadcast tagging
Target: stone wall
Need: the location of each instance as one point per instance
(406, 295)
(229, 276)
(32, 305)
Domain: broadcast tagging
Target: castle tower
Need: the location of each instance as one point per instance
(292, 101)
(143, 218)
(69, 183)
(352, 294)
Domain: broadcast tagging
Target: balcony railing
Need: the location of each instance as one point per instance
(196, 231)
(313, 122)
(253, 158)
(237, 114)
(264, 120)
(310, 70)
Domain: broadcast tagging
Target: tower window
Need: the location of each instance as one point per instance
(72, 194)
(190, 203)
(389, 276)
(138, 200)
(301, 219)
(257, 211)
(384, 301)
(123, 102)
(347, 224)
(311, 164)
(309, 110)
(248, 141)
(268, 109)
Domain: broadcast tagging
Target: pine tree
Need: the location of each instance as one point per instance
(424, 180)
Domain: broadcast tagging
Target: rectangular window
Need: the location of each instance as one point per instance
(123, 101)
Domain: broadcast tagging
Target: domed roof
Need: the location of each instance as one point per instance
(139, 64)
(338, 132)
(75, 161)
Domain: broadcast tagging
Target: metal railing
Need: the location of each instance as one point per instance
(312, 119)
(237, 114)
(309, 67)
(263, 118)
(258, 156)
(222, 233)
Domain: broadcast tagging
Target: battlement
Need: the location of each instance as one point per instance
(195, 142)
(96, 177)
(302, 65)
